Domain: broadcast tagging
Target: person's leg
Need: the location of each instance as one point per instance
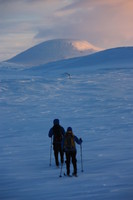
(68, 163)
(56, 154)
(74, 162)
(61, 155)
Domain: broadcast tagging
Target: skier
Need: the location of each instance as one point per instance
(57, 132)
(69, 148)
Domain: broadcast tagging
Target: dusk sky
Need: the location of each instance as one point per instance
(103, 23)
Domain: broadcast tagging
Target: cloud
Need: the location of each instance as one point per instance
(78, 4)
(19, 19)
(109, 22)
(101, 22)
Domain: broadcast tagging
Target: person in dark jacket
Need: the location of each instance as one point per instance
(69, 148)
(57, 132)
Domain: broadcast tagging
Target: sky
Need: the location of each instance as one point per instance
(25, 23)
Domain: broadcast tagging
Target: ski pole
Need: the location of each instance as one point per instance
(50, 152)
(81, 158)
(61, 170)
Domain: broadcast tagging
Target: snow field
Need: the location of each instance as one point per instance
(98, 105)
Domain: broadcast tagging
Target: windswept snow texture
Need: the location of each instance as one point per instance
(98, 104)
(54, 50)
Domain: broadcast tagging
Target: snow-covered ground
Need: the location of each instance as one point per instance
(97, 104)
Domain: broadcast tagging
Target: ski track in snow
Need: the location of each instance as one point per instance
(99, 107)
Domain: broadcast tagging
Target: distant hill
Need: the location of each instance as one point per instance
(119, 55)
(54, 50)
(115, 58)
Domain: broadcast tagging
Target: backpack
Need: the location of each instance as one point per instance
(57, 134)
(69, 143)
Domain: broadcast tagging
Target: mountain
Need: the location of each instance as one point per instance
(109, 56)
(115, 58)
(119, 55)
(54, 50)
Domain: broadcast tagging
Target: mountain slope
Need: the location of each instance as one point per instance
(116, 56)
(54, 50)
(110, 56)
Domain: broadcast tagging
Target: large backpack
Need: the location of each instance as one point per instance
(57, 134)
(69, 142)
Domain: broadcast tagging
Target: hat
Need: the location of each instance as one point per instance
(69, 129)
(56, 121)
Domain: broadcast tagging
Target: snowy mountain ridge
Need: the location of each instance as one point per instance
(115, 58)
(54, 50)
(118, 55)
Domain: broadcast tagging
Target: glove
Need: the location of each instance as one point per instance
(81, 140)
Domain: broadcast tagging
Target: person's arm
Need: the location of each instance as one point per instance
(78, 140)
(50, 134)
(63, 131)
